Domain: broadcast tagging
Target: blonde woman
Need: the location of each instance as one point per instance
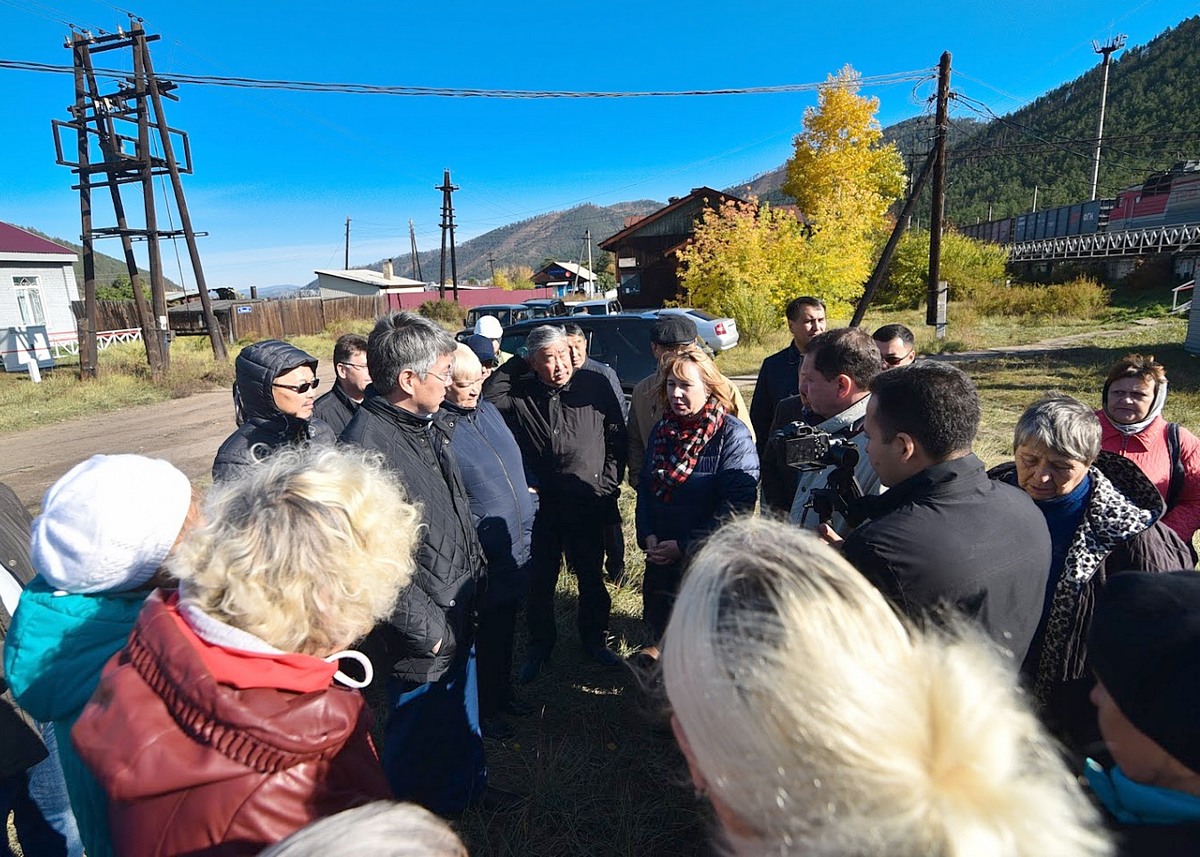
(700, 466)
(226, 723)
(818, 723)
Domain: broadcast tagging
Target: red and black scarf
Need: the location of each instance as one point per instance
(677, 444)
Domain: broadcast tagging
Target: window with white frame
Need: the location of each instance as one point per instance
(29, 300)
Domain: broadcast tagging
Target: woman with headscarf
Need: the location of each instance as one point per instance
(273, 401)
(1131, 418)
(1104, 517)
(700, 467)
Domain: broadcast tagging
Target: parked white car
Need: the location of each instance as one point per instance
(608, 306)
(721, 334)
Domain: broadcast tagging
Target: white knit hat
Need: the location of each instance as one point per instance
(108, 524)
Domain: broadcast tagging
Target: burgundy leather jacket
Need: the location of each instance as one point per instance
(198, 758)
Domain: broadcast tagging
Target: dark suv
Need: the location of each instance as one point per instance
(544, 307)
(622, 341)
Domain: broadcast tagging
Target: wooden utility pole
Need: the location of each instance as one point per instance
(1107, 50)
(587, 236)
(346, 266)
(447, 190)
(185, 216)
(916, 185)
(96, 118)
(492, 265)
(416, 260)
(935, 298)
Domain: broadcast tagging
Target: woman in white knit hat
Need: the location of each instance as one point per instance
(105, 529)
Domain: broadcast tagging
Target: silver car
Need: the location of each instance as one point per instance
(721, 334)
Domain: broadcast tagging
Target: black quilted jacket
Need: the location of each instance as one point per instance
(439, 604)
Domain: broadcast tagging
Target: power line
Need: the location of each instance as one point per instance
(448, 92)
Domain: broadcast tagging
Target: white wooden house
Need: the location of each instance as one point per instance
(37, 285)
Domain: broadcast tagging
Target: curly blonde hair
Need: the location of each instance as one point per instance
(823, 724)
(671, 364)
(307, 551)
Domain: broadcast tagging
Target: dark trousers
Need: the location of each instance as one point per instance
(494, 650)
(575, 531)
(614, 539)
(432, 744)
(659, 588)
(41, 811)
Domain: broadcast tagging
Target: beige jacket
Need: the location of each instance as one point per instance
(645, 411)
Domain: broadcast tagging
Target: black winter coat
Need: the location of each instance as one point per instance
(778, 378)
(335, 409)
(1121, 531)
(573, 438)
(950, 539)
(263, 426)
(439, 605)
(502, 505)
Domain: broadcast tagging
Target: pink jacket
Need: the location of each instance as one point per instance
(1149, 450)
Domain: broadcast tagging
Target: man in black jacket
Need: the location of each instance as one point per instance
(432, 751)
(778, 376)
(944, 537)
(572, 436)
(351, 379)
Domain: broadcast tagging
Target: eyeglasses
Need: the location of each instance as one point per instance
(445, 379)
(896, 359)
(355, 365)
(301, 388)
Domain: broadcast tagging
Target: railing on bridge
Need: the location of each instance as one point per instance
(1178, 308)
(1099, 245)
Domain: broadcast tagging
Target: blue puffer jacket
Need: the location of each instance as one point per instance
(724, 482)
(55, 650)
(501, 504)
(263, 426)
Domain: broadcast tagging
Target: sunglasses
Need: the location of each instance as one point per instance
(896, 359)
(301, 388)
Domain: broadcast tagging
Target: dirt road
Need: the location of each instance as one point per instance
(185, 432)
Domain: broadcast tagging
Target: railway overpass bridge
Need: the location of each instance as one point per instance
(1146, 241)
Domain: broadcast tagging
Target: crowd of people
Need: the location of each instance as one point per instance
(903, 653)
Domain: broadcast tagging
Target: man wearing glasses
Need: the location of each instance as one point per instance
(896, 344)
(338, 406)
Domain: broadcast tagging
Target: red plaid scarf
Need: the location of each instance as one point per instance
(678, 444)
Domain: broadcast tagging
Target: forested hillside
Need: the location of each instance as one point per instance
(108, 269)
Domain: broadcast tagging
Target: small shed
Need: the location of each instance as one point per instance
(647, 267)
(37, 285)
(364, 282)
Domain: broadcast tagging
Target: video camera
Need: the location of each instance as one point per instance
(808, 448)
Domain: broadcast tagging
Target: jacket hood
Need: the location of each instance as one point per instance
(58, 644)
(231, 730)
(257, 367)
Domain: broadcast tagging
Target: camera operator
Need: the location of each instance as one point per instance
(945, 536)
(838, 367)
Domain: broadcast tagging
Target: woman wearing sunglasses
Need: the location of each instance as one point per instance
(273, 403)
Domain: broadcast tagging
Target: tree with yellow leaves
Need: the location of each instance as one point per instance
(844, 178)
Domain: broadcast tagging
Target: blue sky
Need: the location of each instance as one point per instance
(277, 173)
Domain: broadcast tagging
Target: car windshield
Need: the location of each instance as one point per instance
(699, 313)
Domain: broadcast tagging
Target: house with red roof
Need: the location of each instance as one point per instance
(37, 285)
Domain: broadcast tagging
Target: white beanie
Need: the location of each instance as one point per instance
(489, 326)
(108, 524)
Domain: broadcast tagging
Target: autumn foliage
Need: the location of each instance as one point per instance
(749, 262)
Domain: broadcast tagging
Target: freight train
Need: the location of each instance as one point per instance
(1163, 199)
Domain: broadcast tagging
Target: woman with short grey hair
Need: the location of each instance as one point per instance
(381, 829)
(1103, 516)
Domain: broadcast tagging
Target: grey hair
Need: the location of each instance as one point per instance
(404, 340)
(382, 829)
(465, 362)
(1063, 425)
(543, 337)
(826, 725)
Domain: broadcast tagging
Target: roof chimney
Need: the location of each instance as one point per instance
(387, 269)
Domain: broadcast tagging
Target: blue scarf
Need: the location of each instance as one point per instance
(1136, 803)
